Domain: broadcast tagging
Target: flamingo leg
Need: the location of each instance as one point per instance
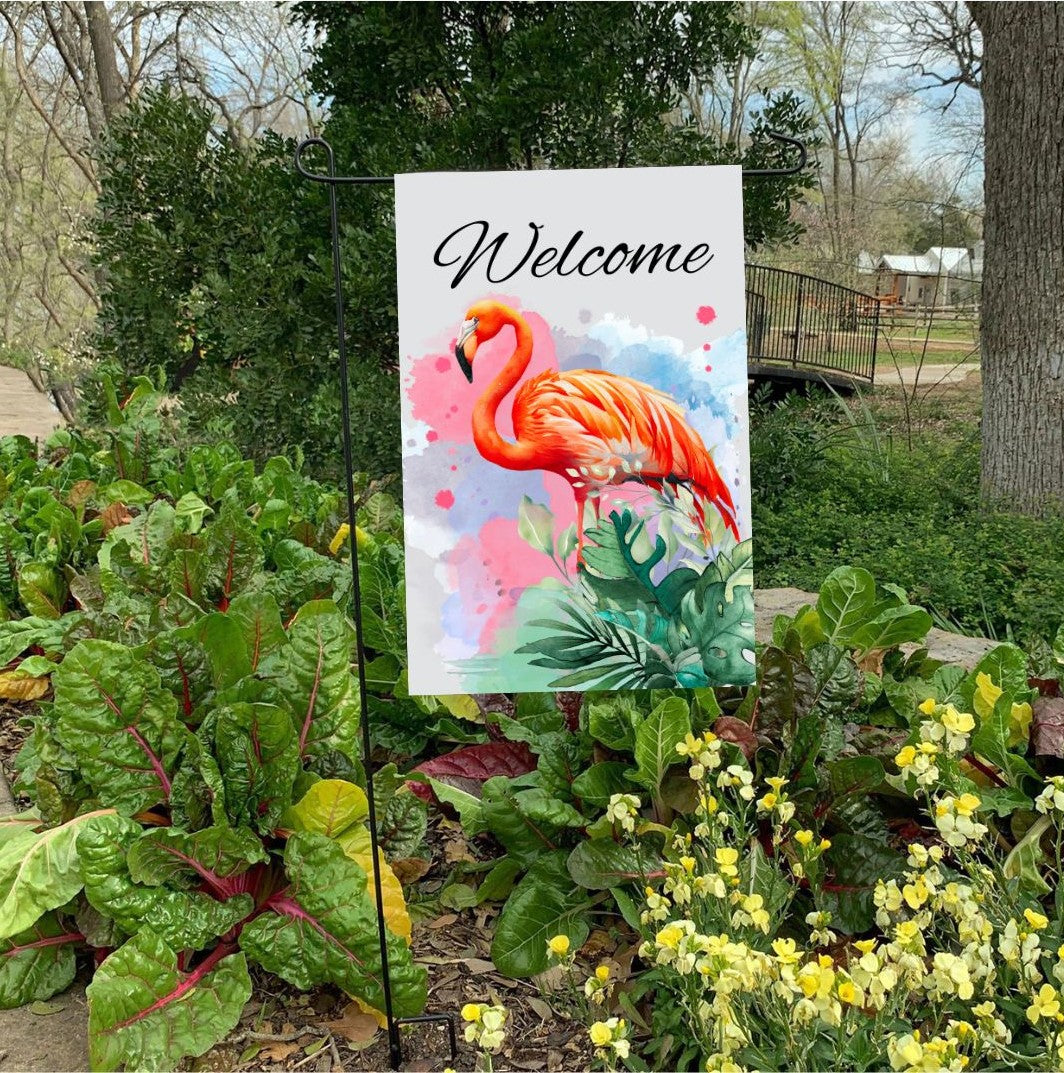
(580, 498)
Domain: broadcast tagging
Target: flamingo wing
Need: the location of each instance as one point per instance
(609, 427)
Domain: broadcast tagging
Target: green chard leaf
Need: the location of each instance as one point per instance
(145, 1013)
(259, 620)
(545, 903)
(656, 738)
(187, 920)
(323, 929)
(120, 724)
(183, 859)
(42, 590)
(37, 963)
(39, 870)
(528, 823)
(846, 599)
(312, 672)
(601, 863)
(258, 757)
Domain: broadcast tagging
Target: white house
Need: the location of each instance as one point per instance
(943, 276)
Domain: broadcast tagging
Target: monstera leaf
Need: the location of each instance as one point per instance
(37, 963)
(145, 1013)
(120, 724)
(323, 929)
(312, 672)
(621, 559)
(722, 629)
(187, 920)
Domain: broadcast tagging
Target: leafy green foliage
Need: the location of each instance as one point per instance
(904, 505)
(216, 253)
(219, 281)
(203, 686)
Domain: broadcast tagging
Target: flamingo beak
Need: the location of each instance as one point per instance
(466, 347)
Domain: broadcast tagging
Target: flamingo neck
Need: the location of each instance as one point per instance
(485, 433)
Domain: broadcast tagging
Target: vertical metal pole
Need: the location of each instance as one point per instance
(875, 343)
(798, 322)
(394, 1050)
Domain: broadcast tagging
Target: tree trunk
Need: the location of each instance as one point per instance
(1023, 273)
(112, 89)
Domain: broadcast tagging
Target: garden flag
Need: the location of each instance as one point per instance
(574, 422)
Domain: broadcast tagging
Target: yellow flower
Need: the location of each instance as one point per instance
(768, 802)
(688, 864)
(726, 859)
(559, 945)
(803, 838)
(966, 804)
(928, 706)
(777, 782)
(669, 936)
(787, 951)
(471, 1011)
(958, 722)
(906, 1052)
(866, 946)
(690, 746)
(602, 973)
(825, 844)
(600, 1033)
(1046, 1004)
(847, 992)
(905, 758)
(1036, 920)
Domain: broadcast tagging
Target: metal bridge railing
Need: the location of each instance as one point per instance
(810, 324)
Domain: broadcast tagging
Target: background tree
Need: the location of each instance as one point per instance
(1023, 276)
(832, 51)
(67, 69)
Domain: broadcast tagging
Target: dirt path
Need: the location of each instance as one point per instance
(888, 374)
(24, 411)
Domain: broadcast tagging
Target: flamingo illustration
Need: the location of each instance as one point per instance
(591, 427)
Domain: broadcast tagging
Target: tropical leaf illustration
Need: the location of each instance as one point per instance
(597, 654)
(641, 616)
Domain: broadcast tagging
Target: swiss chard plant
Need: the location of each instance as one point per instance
(188, 821)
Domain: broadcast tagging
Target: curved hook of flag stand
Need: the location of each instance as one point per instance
(332, 181)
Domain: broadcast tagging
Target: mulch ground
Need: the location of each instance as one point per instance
(320, 1030)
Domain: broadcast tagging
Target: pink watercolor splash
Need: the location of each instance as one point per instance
(488, 568)
(706, 314)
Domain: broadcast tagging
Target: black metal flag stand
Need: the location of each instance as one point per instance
(332, 181)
